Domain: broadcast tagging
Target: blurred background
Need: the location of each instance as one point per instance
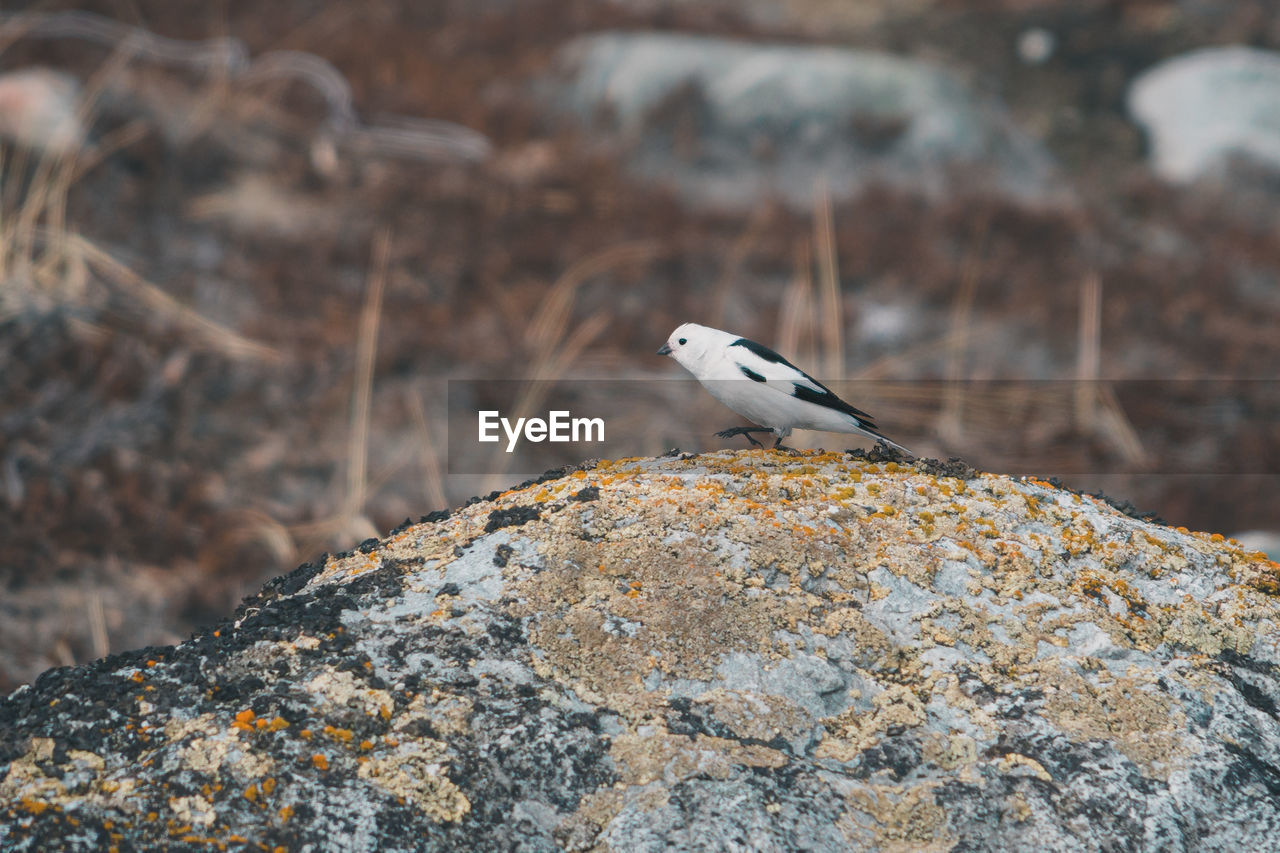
(243, 247)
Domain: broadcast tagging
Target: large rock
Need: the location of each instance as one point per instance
(731, 651)
(1205, 107)
(727, 122)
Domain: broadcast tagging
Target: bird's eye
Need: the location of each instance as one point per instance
(683, 342)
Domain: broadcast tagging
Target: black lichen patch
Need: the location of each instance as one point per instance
(1256, 680)
(898, 756)
(502, 554)
(1128, 508)
(515, 516)
(1248, 770)
(953, 467)
(296, 579)
(385, 582)
(546, 477)
(589, 493)
(436, 515)
(685, 717)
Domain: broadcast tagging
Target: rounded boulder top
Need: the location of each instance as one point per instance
(816, 651)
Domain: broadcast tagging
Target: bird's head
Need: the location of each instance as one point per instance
(690, 344)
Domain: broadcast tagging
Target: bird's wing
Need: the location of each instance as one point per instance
(761, 364)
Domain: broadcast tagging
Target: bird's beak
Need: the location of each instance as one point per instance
(664, 350)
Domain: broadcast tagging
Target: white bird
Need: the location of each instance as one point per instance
(763, 387)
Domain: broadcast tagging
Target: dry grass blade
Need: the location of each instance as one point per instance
(1089, 352)
(535, 391)
(215, 335)
(733, 263)
(97, 624)
(47, 192)
(582, 337)
(552, 353)
(1116, 427)
(349, 523)
(831, 314)
(551, 321)
(362, 391)
(254, 525)
(905, 361)
(950, 423)
(795, 319)
(433, 481)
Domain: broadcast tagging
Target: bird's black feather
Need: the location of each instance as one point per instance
(825, 397)
(763, 351)
(831, 401)
(751, 374)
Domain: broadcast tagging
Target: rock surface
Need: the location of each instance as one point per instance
(730, 651)
(1205, 107)
(727, 122)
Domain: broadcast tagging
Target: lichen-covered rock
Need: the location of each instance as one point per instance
(731, 651)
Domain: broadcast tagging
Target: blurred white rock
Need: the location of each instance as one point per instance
(38, 110)
(1266, 541)
(1205, 107)
(725, 122)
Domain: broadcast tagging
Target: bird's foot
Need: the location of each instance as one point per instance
(782, 448)
(730, 433)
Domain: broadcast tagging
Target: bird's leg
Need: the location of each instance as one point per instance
(778, 444)
(730, 433)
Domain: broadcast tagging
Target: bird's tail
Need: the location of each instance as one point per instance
(894, 444)
(869, 430)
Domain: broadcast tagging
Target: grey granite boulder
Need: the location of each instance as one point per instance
(733, 651)
(728, 122)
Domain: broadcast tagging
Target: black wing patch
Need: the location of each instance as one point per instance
(822, 398)
(831, 401)
(763, 351)
(751, 374)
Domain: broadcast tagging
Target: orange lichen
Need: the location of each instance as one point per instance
(34, 806)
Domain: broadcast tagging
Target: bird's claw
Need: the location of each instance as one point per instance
(735, 431)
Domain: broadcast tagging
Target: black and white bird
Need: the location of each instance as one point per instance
(763, 387)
